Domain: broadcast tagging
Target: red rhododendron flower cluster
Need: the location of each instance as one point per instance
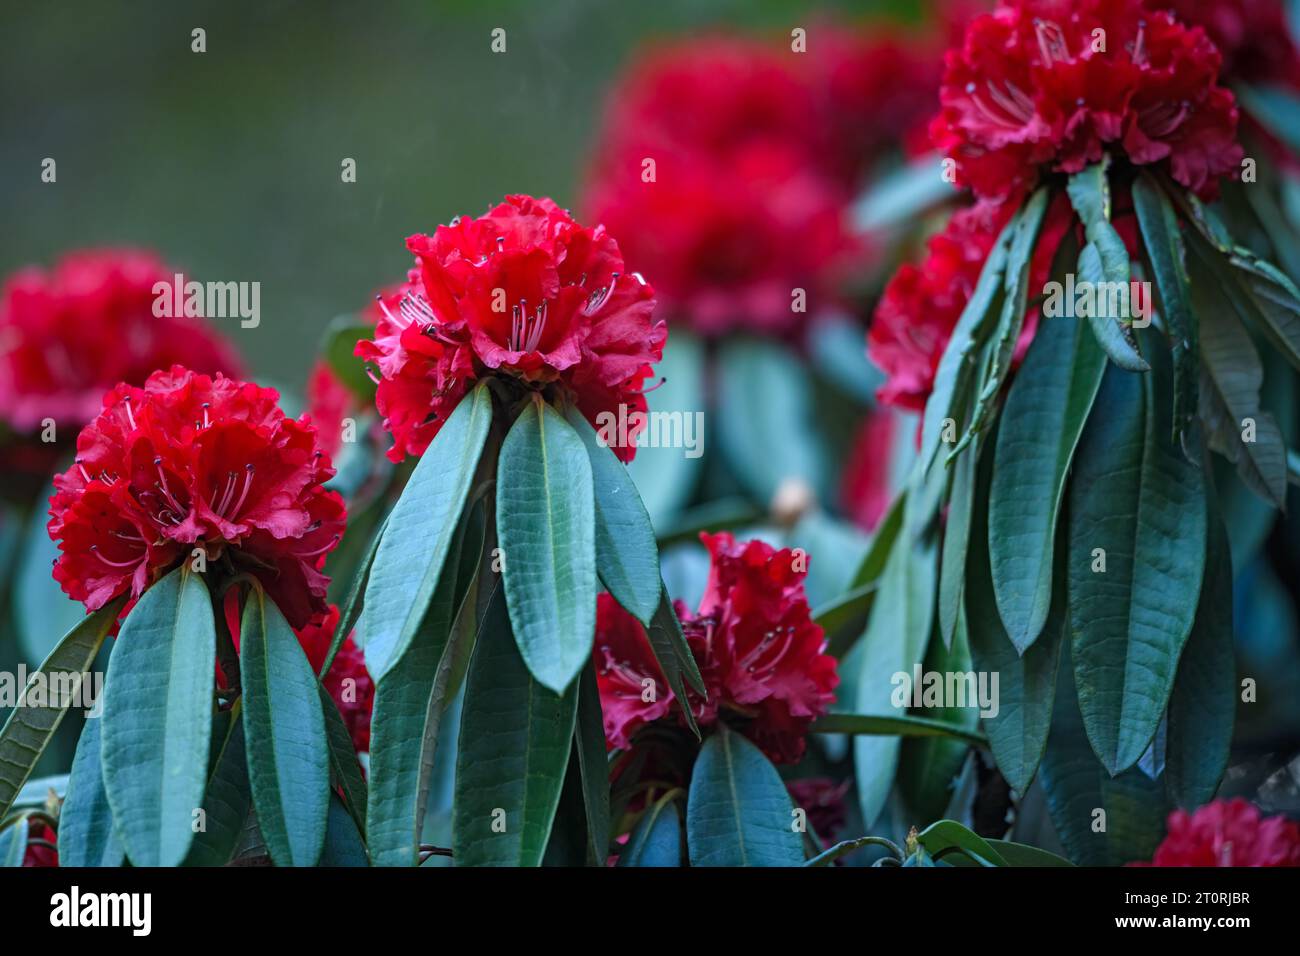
(1252, 36)
(522, 291)
(348, 681)
(70, 333)
(760, 654)
(1049, 85)
(921, 305)
(823, 800)
(1228, 833)
(191, 461)
(726, 166)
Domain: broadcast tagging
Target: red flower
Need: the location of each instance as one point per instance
(758, 650)
(190, 461)
(1253, 36)
(867, 485)
(878, 88)
(921, 305)
(1228, 833)
(41, 855)
(715, 172)
(69, 334)
(348, 681)
(329, 402)
(823, 800)
(523, 292)
(1049, 85)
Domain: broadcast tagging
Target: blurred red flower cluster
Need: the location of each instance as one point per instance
(70, 333)
(193, 461)
(1228, 833)
(761, 656)
(524, 292)
(726, 166)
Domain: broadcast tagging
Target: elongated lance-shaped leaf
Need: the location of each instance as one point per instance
(1230, 399)
(158, 704)
(1081, 793)
(86, 836)
(956, 545)
(738, 811)
(409, 704)
(1204, 701)
(949, 835)
(895, 640)
(229, 795)
(1164, 247)
(30, 726)
(1104, 264)
(957, 366)
(593, 763)
(515, 740)
(626, 554)
(896, 725)
(1046, 409)
(419, 532)
(1015, 302)
(284, 735)
(345, 770)
(1137, 554)
(352, 607)
(546, 524)
(1017, 732)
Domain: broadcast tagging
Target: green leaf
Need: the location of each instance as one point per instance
(1046, 409)
(1276, 108)
(626, 553)
(1233, 376)
(843, 619)
(42, 612)
(894, 641)
(1015, 854)
(902, 196)
(957, 366)
(410, 701)
(86, 836)
(352, 606)
(419, 532)
(657, 839)
(1027, 683)
(1135, 496)
(956, 544)
(1103, 259)
(284, 734)
(672, 652)
(515, 737)
(951, 835)
(30, 727)
(345, 769)
(928, 766)
(13, 843)
(765, 391)
(546, 521)
(158, 704)
(1164, 247)
(1203, 704)
(343, 843)
(1015, 302)
(895, 725)
(667, 476)
(228, 797)
(1077, 787)
(338, 350)
(738, 812)
(593, 763)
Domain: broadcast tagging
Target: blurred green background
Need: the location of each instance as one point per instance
(228, 162)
